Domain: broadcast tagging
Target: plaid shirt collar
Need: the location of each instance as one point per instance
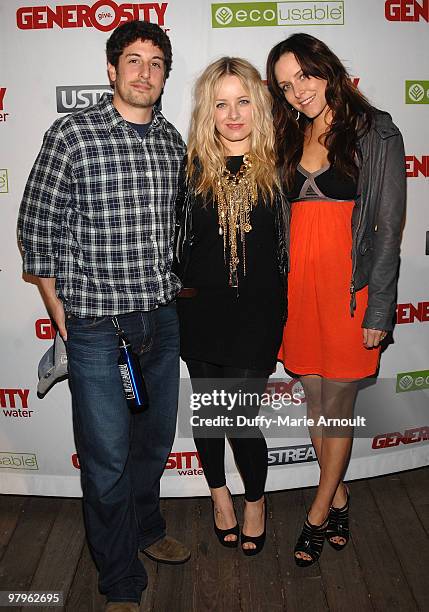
(112, 117)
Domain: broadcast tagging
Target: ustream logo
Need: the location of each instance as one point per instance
(292, 13)
(71, 98)
(416, 92)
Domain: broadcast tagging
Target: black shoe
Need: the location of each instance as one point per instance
(258, 541)
(310, 542)
(338, 524)
(222, 533)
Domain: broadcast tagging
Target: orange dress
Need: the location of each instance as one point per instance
(320, 336)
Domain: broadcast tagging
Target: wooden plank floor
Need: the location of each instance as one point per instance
(385, 566)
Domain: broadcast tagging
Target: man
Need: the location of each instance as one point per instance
(96, 226)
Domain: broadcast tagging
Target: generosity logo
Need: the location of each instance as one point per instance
(416, 166)
(104, 15)
(406, 10)
(412, 381)
(15, 403)
(395, 438)
(292, 13)
(44, 329)
(3, 115)
(187, 463)
(408, 313)
(416, 92)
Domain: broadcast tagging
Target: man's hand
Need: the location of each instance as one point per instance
(373, 337)
(56, 310)
(53, 304)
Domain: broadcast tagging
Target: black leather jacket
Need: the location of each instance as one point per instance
(377, 221)
(184, 233)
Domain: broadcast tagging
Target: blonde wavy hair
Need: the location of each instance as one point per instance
(206, 155)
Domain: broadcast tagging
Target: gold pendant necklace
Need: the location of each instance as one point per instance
(235, 195)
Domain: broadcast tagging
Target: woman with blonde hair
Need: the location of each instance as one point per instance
(231, 251)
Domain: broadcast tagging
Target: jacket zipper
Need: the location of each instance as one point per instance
(354, 258)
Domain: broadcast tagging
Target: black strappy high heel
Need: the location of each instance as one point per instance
(258, 541)
(338, 524)
(222, 533)
(310, 542)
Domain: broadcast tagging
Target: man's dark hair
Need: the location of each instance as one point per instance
(131, 31)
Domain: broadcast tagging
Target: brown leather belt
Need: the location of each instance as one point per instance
(187, 292)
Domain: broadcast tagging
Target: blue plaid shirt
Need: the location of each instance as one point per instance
(98, 212)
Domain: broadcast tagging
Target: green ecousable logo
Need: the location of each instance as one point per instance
(18, 461)
(289, 13)
(416, 92)
(412, 381)
(4, 183)
(244, 14)
(223, 15)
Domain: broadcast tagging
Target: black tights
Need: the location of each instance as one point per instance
(248, 444)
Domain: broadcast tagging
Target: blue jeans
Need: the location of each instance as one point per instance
(123, 455)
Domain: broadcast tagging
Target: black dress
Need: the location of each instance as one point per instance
(224, 325)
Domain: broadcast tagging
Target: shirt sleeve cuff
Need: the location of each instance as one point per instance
(39, 264)
(378, 319)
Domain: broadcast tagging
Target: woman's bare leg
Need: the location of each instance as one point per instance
(331, 399)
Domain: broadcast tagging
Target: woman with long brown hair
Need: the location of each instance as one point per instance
(231, 252)
(343, 169)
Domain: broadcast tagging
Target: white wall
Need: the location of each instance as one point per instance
(383, 44)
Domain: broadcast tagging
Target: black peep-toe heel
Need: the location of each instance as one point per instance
(338, 524)
(258, 541)
(310, 542)
(222, 533)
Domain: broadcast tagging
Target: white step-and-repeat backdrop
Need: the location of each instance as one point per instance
(52, 62)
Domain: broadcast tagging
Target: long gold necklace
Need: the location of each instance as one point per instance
(235, 195)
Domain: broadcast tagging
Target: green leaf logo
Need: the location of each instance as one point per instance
(416, 92)
(405, 382)
(224, 15)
